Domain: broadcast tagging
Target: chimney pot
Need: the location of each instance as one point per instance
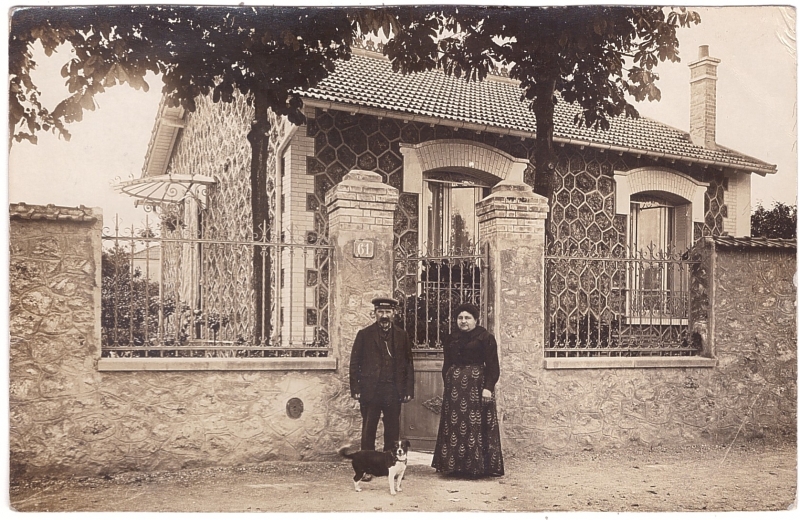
(703, 52)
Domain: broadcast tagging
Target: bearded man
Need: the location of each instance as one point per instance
(381, 374)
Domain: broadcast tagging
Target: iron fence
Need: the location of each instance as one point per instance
(429, 287)
(620, 303)
(178, 296)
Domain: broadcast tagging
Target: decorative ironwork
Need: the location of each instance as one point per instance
(180, 294)
(434, 404)
(369, 44)
(618, 303)
(430, 285)
(167, 189)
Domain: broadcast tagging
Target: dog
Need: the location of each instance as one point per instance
(380, 463)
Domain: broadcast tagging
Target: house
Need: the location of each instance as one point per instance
(628, 205)
(641, 186)
(148, 262)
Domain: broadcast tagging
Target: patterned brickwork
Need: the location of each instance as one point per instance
(583, 207)
(227, 271)
(715, 208)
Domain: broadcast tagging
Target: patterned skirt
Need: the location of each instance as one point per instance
(468, 442)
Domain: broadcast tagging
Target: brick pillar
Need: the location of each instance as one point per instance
(360, 225)
(511, 222)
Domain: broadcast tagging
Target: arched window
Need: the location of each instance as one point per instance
(645, 194)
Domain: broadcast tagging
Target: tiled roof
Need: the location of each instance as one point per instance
(755, 242)
(494, 105)
(51, 212)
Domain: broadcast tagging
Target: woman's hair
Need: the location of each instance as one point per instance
(470, 308)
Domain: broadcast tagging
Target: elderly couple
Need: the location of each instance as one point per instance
(382, 378)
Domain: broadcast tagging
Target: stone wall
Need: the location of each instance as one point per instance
(754, 331)
(749, 393)
(68, 418)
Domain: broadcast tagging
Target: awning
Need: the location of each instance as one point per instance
(167, 189)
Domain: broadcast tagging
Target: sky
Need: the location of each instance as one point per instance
(756, 115)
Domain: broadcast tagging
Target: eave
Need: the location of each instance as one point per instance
(501, 130)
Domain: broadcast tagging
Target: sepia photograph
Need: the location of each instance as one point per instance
(413, 258)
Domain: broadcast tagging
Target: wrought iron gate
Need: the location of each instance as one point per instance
(625, 303)
(429, 286)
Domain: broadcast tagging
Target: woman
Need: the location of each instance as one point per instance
(468, 443)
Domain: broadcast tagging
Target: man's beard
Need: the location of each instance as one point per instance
(384, 322)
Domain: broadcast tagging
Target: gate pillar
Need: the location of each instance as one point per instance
(360, 226)
(511, 221)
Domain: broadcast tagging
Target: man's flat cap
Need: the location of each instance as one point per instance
(385, 303)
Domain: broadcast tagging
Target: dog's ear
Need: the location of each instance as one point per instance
(406, 444)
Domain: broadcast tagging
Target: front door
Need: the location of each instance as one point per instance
(430, 283)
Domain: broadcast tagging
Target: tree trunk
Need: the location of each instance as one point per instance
(545, 168)
(262, 261)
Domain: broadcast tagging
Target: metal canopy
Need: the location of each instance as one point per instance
(167, 189)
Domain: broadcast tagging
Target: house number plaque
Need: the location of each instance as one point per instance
(364, 249)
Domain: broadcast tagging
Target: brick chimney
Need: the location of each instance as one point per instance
(703, 109)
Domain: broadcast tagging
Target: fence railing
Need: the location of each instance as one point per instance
(631, 303)
(176, 296)
(429, 287)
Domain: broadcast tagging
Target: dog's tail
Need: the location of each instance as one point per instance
(343, 451)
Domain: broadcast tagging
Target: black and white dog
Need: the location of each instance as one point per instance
(380, 463)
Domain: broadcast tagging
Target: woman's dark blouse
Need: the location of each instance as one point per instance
(476, 347)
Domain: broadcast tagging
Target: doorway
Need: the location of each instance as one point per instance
(447, 270)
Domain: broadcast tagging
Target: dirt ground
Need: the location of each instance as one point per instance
(693, 478)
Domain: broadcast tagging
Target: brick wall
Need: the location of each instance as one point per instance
(703, 100)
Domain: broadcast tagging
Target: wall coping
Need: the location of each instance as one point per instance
(630, 362)
(206, 364)
(729, 242)
(23, 211)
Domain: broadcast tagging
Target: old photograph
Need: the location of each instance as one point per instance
(409, 258)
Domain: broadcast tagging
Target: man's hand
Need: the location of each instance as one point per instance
(486, 394)
(406, 399)
(356, 396)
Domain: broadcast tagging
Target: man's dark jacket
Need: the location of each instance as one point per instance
(365, 363)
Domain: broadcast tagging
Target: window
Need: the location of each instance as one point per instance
(659, 233)
(449, 222)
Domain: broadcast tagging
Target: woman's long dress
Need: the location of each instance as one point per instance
(468, 442)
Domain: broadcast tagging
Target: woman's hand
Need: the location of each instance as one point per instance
(487, 395)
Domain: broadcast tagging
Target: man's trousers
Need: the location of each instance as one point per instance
(386, 402)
